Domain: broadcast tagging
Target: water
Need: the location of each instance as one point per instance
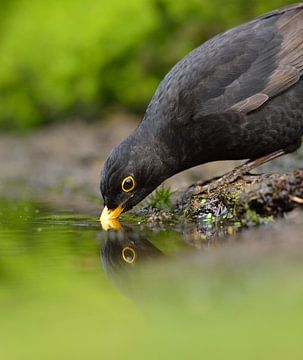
(70, 290)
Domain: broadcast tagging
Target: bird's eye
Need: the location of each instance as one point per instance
(128, 255)
(128, 184)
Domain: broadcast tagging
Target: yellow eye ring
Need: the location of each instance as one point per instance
(128, 184)
(128, 255)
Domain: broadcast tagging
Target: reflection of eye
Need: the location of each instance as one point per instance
(128, 255)
(128, 184)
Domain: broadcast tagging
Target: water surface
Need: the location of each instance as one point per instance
(70, 290)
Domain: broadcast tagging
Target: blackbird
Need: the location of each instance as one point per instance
(237, 96)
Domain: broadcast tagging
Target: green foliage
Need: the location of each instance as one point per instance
(161, 198)
(65, 58)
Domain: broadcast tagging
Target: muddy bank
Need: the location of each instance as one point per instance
(59, 164)
(216, 215)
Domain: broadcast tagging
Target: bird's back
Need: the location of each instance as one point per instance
(238, 70)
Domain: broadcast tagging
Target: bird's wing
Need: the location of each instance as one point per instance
(257, 61)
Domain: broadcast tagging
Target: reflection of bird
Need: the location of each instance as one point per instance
(122, 255)
(237, 96)
(125, 250)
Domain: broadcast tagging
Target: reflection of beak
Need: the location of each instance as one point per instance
(113, 224)
(109, 218)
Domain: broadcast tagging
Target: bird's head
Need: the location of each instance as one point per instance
(131, 172)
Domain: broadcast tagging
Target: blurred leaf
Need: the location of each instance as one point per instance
(66, 57)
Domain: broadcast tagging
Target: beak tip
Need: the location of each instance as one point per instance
(109, 218)
(105, 213)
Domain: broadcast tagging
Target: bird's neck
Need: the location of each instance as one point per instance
(168, 148)
(154, 148)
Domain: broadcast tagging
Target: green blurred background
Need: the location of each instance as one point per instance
(63, 59)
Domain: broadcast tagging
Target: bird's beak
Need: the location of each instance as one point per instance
(109, 218)
(111, 214)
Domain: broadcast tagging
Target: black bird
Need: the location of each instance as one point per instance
(237, 96)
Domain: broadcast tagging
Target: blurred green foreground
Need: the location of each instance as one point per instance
(57, 303)
(73, 58)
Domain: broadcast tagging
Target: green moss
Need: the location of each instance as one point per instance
(132, 219)
(209, 218)
(161, 198)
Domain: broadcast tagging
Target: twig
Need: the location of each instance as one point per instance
(296, 199)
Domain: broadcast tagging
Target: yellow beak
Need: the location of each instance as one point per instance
(109, 218)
